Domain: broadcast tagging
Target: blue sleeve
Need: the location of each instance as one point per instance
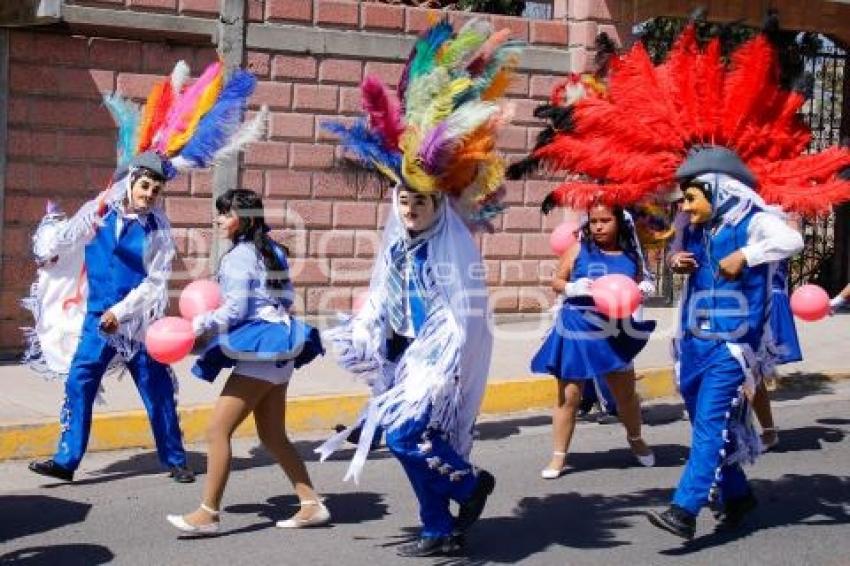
(238, 281)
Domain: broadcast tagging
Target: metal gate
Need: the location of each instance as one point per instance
(823, 113)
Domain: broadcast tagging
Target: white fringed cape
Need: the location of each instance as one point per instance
(444, 370)
(59, 247)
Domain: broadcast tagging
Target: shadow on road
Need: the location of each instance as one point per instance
(793, 499)
(595, 521)
(147, 463)
(499, 430)
(24, 515)
(345, 508)
(565, 519)
(807, 438)
(65, 554)
(798, 385)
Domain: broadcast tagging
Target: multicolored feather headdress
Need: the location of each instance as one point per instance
(624, 145)
(188, 126)
(438, 132)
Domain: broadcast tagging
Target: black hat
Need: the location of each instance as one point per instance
(715, 159)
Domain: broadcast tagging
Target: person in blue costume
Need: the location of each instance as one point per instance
(586, 345)
(781, 344)
(253, 332)
(734, 241)
(127, 251)
(424, 339)
(782, 347)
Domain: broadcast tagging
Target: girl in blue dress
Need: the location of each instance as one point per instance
(585, 344)
(254, 334)
(784, 348)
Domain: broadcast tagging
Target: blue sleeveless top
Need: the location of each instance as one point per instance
(115, 265)
(716, 308)
(593, 263)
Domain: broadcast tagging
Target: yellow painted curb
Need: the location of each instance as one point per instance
(131, 429)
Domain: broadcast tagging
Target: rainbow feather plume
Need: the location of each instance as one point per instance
(187, 110)
(156, 109)
(126, 117)
(470, 37)
(221, 122)
(384, 111)
(446, 140)
(426, 49)
(365, 146)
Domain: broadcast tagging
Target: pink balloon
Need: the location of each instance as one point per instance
(169, 339)
(199, 297)
(810, 303)
(562, 237)
(616, 296)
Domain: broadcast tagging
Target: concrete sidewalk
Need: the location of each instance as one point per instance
(322, 394)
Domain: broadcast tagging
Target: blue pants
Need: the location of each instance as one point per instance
(709, 380)
(155, 386)
(437, 473)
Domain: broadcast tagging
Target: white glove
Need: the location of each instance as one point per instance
(646, 288)
(361, 340)
(198, 325)
(578, 288)
(836, 303)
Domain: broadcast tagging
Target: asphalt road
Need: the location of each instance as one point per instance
(593, 515)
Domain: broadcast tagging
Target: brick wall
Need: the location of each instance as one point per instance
(60, 145)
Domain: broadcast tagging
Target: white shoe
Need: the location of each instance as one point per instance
(201, 530)
(318, 519)
(768, 446)
(646, 460)
(551, 473)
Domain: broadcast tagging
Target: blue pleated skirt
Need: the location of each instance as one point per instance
(259, 341)
(784, 329)
(584, 344)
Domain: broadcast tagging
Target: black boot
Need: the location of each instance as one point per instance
(354, 436)
(182, 474)
(51, 469)
(674, 520)
(470, 510)
(734, 511)
(449, 545)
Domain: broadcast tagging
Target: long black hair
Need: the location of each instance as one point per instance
(626, 236)
(248, 207)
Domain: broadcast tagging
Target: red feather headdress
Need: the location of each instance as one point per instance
(624, 145)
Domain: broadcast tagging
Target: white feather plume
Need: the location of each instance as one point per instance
(179, 75)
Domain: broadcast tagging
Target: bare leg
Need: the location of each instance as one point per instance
(761, 407)
(622, 386)
(238, 398)
(567, 400)
(270, 417)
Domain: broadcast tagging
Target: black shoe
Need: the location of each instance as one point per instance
(450, 545)
(354, 436)
(471, 509)
(182, 474)
(52, 469)
(734, 512)
(674, 520)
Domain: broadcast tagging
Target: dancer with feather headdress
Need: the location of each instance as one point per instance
(103, 273)
(732, 139)
(423, 339)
